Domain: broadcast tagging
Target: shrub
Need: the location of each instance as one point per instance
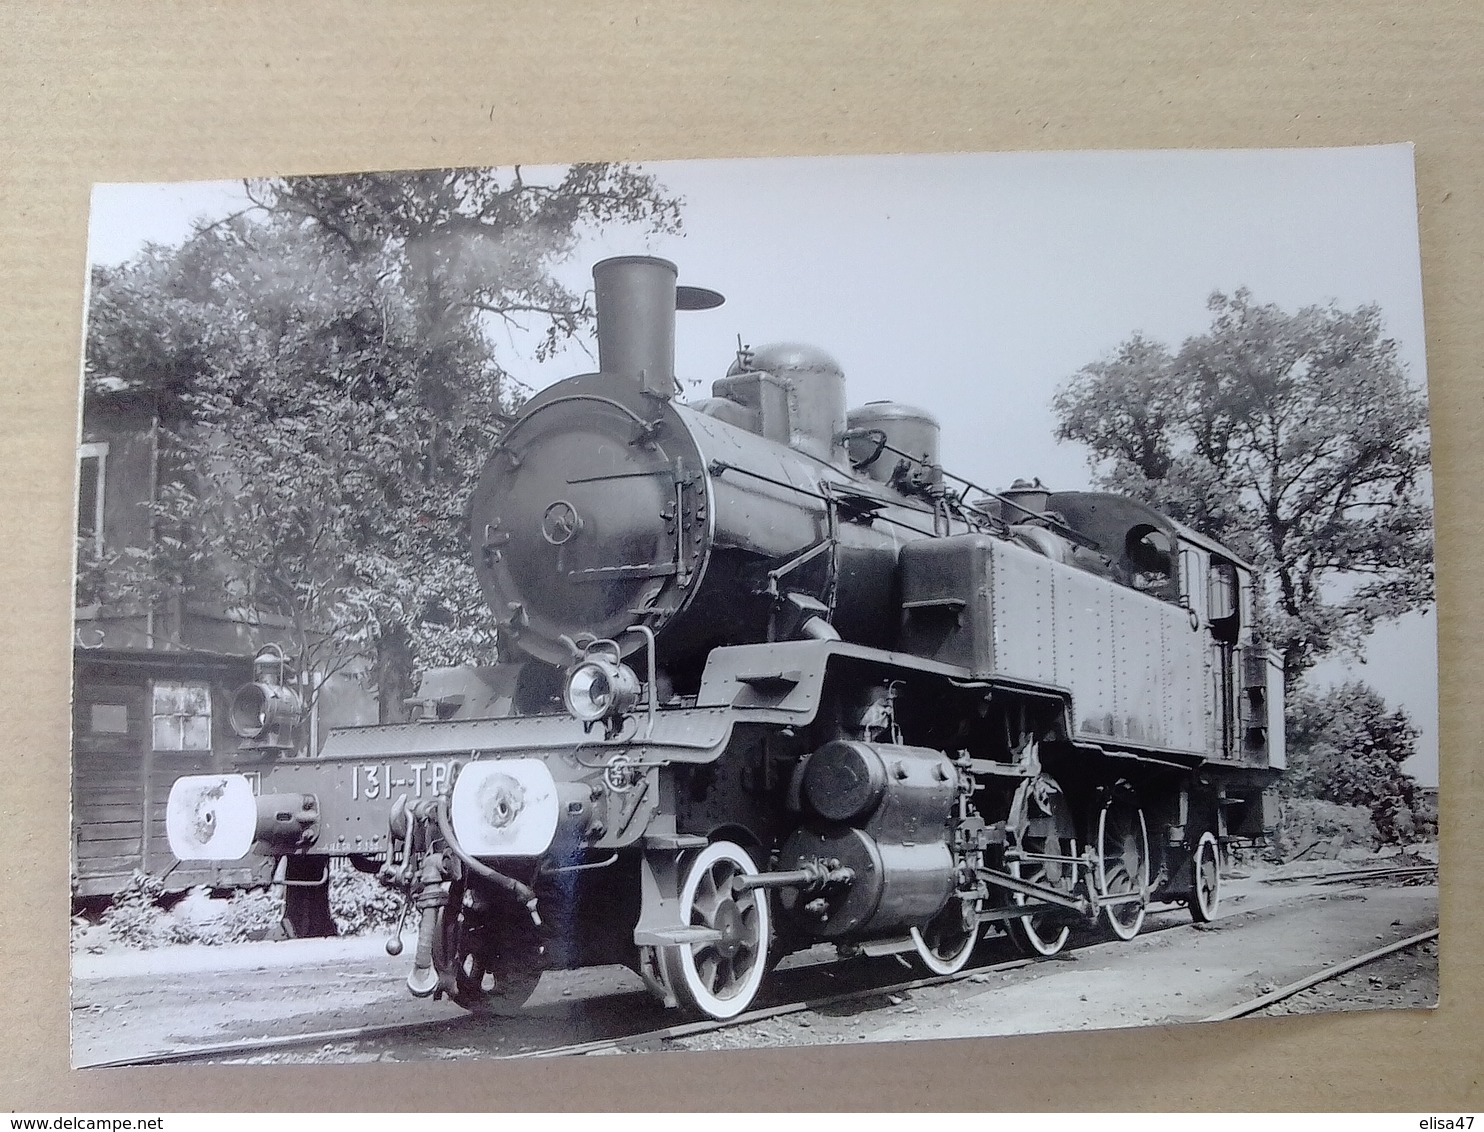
(1311, 827)
(136, 917)
(250, 914)
(361, 904)
(143, 915)
(1345, 747)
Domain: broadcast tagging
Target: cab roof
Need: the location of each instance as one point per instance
(1195, 538)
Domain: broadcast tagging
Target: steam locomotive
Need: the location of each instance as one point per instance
(771, 677)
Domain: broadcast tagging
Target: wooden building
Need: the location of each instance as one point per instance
(140, 719)
(152, 681)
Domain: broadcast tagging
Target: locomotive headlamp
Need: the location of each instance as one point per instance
(258, 709)
(601, 687)
(265, 712)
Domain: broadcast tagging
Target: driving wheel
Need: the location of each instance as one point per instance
(1040, 826)
(1205, 888)
(1123, 864)
(719, 976)
(945, 943)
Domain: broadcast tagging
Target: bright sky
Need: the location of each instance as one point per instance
(973, 285)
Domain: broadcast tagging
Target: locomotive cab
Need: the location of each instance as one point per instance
(1247, 674)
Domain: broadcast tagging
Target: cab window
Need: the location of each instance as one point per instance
(1222, 599)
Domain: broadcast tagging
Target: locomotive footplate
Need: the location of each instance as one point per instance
(605, 787)
(513, 804)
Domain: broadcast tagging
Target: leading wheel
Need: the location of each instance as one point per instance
(719, 977)
(1123, 865)
(489, 959)
(1040, 827)
(1205, 888)
(945, 943)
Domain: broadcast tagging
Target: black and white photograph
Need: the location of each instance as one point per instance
(609, 609)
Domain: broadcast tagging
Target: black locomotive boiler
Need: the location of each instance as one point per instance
(770, 677)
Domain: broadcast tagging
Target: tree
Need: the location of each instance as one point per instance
(1296, 439)
(1345, 747)
(323, 364)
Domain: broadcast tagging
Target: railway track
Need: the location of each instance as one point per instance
(226, 1050)
(237, 1049)
(1253, 1006)
(441, 1027)
(1358, 876)
(692, 1029)
(1334, 971)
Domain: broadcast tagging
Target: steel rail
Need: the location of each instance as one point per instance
(709, 1026)
(1347, 875)
(268, 1044)
(1252, 1006)
(1377, 874)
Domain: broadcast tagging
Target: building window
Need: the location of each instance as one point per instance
(182, 715)
(91, 459)
(108, 719)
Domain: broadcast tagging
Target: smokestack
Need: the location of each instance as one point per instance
(635, 299)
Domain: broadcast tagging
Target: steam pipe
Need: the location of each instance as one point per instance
(520, 891)
(648, 634)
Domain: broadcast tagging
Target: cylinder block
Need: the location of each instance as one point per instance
(894, 886)
(844, 781)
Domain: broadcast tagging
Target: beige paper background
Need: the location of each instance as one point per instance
(134, 91)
